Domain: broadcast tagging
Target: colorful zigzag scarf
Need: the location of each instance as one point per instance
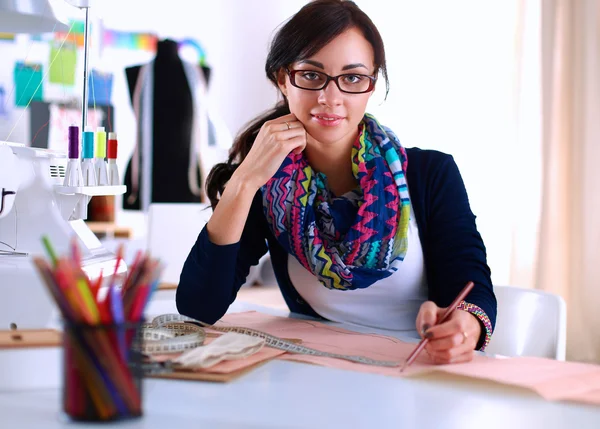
(306, 221)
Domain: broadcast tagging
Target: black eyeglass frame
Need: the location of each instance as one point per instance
(292, 75)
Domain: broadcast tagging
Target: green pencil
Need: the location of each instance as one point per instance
(49, 250)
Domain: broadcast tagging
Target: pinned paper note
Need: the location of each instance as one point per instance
(7, 37)
(62, 117)
(3, 109)
(100, 85)
(28, 83)
(63, 63)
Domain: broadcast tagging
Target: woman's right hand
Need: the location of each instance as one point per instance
(274, 142)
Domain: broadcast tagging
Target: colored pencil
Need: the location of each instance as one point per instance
(99, 329)
(445, 315)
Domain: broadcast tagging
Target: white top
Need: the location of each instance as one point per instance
(391, 303)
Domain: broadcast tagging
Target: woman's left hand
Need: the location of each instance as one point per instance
(452, 341)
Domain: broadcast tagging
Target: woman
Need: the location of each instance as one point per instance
(324, 188)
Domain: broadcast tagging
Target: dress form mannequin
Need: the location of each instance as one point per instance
(172, 121)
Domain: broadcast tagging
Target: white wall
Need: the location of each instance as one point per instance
(451, 68)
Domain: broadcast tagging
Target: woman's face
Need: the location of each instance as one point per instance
(330, 115)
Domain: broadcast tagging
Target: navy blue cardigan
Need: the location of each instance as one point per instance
(453, 250)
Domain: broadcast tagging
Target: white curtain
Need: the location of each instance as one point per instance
(557, 237)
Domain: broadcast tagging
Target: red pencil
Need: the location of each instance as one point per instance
(449, 310)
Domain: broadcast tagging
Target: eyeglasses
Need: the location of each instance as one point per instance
(351, 83)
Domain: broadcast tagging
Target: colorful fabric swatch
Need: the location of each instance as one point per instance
(28, 83)
(120, 39)
(63, 62)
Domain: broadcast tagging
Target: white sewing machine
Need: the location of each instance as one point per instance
(34, 203)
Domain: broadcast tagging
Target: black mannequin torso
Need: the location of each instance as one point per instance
(172, 121)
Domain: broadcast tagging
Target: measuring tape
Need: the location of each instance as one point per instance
(163, 337)
(183, 325)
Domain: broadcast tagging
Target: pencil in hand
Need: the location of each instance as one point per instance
(447, 313)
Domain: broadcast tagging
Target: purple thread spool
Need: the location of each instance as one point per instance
(73, 142)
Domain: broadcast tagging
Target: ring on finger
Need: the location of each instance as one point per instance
(288, 125)
(465, 337)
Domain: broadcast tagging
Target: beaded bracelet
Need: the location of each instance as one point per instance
(480, 314)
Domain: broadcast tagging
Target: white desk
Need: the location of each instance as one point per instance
(283, 394)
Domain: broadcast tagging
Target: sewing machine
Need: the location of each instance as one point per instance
(34, 203)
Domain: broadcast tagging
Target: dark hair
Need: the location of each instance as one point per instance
(305, 34)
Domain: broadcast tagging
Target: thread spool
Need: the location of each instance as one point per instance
(73, 142)
(111, 154)
(99, 155)
(73, 175)
(88, 143)
(112, 147)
